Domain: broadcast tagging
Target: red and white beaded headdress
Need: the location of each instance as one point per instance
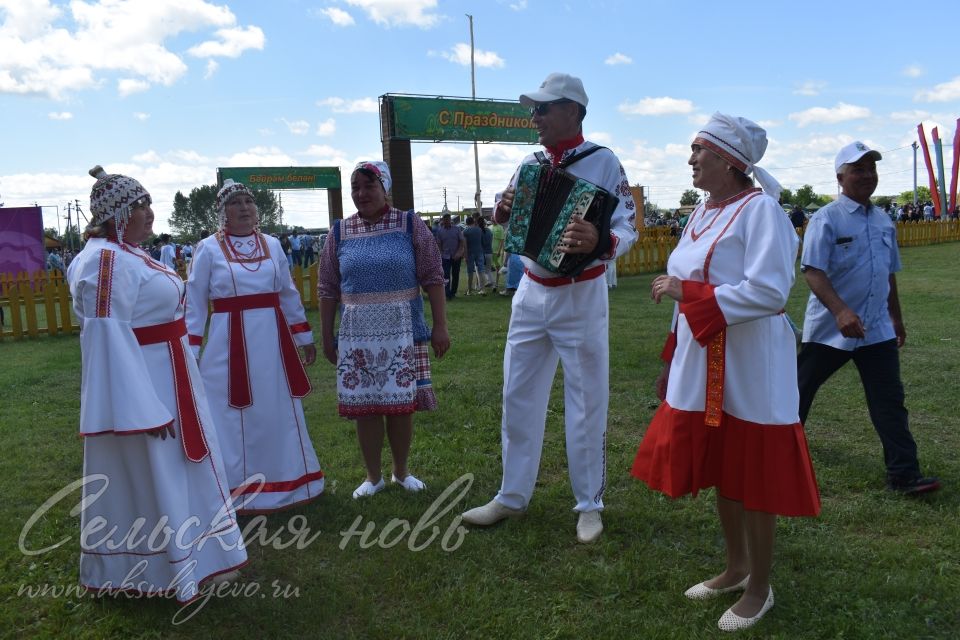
(113, 197)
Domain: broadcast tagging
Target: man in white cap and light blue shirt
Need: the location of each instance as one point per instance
(849, 260)
(561, 319)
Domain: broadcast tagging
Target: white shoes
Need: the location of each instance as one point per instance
(589, 526)
(368, 489)
(490, 513)
(703, 592)
(410, 483)
(730, 621)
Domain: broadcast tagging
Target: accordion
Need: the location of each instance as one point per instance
(546, 199)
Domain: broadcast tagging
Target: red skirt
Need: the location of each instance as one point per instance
(766, 467)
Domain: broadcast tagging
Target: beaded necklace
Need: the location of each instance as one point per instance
(255, 255)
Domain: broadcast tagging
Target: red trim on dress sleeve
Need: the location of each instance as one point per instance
(702, 311)
(196, 341)
(669, 347)
(300, 327)
(105, 283)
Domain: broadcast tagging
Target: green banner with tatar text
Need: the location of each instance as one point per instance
(460, 120)
(282, 177)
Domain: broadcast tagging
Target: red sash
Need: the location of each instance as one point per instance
(191, 430)
(240, 394)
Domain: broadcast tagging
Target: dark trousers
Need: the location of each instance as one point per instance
(879, 368)
(451, 273)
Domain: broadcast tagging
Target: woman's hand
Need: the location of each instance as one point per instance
(309, 354)
(440, 340)
(666, 286)
(330, 350)
(661, 383)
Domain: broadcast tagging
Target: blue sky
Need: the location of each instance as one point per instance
(167, 91)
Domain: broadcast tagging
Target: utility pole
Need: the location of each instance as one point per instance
(69, 225)
(445, 208)
(473, 94)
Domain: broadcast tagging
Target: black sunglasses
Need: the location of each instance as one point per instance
(544, 107)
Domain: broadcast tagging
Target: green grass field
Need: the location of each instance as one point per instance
(873, 565)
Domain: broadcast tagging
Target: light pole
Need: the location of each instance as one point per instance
(473, 94)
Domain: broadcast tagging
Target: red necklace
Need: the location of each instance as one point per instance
(254, 255)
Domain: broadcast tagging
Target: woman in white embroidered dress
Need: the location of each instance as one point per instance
(252, 365)
(374, 264)
(729, 417)
(152, 467)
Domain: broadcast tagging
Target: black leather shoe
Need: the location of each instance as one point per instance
(914, 485)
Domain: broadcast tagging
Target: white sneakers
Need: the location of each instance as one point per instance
(589, 526)
(730, 621)
(368, 489)
(490, 513)
(410, 483)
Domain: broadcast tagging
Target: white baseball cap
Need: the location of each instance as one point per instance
(853, 152)
(557, 86)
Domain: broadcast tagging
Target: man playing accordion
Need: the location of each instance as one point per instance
(561, 319)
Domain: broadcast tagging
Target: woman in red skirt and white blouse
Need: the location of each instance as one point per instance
(729, 417)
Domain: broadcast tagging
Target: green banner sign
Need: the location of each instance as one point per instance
(282, 177)
(459, 119)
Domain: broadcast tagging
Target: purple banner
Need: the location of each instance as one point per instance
(21, 240)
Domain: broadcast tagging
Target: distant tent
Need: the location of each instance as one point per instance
(813, 206)
(51, 243)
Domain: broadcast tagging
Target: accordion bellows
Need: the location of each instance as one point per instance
(546, 199)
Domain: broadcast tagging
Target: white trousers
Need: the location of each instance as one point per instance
(566, 324)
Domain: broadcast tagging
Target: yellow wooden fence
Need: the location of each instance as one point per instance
(38, 303)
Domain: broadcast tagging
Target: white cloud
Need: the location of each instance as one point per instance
(212, 66)
(810, 88)
(261, 157)
(127, 86)
(339, 17)
(519, 6)
(231, 44)
(359, 105)
(942, 92)
(829, 115)
(913, 71)
(399, 13)
(769, 124)
(656, 107)
(618, 58)
(327, 128)
(147, 157)
(914, 116)
(600, 137)
(460, 54)
(297, 127)
(62, 115)
(56, 51)
(141, 116)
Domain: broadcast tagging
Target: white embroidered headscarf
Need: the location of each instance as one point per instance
(740, 142)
